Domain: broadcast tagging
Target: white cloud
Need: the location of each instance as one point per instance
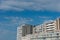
(16, 5)
(45, 17)
(15, 21)
(53, 5)
(10, 23)
(48, 4)
(7, 6)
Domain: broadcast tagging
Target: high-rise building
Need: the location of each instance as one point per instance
(58, 24)
(24, 30)
(27, 29)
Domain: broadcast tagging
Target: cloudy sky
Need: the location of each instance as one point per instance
(16, 12)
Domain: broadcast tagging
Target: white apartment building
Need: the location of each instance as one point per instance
(47, 36)
(49, 30)
(19, 32)
(38, 29)
(50, 26)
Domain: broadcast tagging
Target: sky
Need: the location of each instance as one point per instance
(16, 12)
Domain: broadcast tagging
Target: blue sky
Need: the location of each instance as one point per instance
(16, 12)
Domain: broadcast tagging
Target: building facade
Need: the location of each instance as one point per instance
(27, 29)
(49, 30)
(58, 24)
(38, 29)
(52, 25)
(24, 30)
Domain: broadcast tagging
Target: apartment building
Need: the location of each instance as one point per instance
(27, 29)
(52, 25)
(38, 29)
(24, 30)
(58, 24)
(49, 30)
(19, 32)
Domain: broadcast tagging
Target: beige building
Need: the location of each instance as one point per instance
(58, 24)
(52, 25)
